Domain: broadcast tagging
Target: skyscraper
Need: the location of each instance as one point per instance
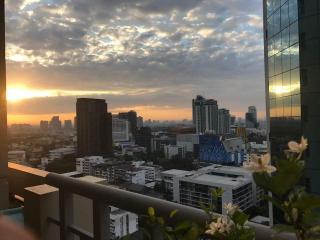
(253, 111)
(44, 125)
(131, 116)
(94, 127)
(251, 117)
(55, 124)
(224, 121)
(292, 61)
(205, 114)
(67, 125)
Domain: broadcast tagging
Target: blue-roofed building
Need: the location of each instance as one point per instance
(214, 149)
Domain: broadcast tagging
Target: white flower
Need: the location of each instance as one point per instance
(298, 147)
(259, 164)
(230, 208)
(225, 225)
(213, 228)
(222, 225)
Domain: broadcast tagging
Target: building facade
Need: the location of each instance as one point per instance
(224, 121)
(292, 61)
(205, 114)
(94, 127)
(131, 116)
(214, 149)
(120, 130)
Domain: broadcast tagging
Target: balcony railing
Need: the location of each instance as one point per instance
(60, 207)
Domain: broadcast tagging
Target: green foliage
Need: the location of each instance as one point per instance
(64, 165)
(288, 175)
(301, 210)
(156, 227)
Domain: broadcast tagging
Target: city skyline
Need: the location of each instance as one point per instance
(148, 56)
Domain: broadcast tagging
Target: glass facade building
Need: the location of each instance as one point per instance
(292, 61)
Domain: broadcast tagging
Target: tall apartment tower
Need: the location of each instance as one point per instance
(292, 63)
(205, 114)
(224, 121)
(55, 124)
(94, 127)
(131, 116)
(253, 111)
(251, 117)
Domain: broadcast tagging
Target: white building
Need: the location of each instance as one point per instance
(171, 178)
(17, 156)
(122, 223)
(193, 187)
(130, 174)
(85, 165)
(171, 151)
(120, 130)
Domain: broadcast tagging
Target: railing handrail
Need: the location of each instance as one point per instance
(22, 176)
(139, 203)
(129, 201)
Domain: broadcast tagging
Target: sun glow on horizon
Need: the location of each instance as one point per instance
(19, 93)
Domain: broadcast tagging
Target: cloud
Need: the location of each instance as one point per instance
(180, 48)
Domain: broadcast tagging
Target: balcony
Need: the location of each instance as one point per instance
(60, 207)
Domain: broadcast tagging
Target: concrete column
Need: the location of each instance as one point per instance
(4, 201)
(41, 202)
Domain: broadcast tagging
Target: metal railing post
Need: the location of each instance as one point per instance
(66, 214)
(101, 220)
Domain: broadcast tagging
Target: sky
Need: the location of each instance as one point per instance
(152, 56)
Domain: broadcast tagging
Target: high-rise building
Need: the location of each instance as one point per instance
(139, 122)
(44, 125)
(75, 123)
(292, 61)
(143, 138)
(94, 127)
(67, 125)
(205, 114)
(55, 124)
(224, 121)
(251, 117)
(120, 130)
(131, 116)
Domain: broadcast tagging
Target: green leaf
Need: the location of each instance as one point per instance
(307, 202)
(182, 226)
(311, 218)
(151, 211)
(280, 183)
(173, 213)
(239, 218)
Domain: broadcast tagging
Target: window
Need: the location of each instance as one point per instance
(295, 81)
(294, 53)
(293, 10)
(285, 15)
(285, 39)
(294, 35)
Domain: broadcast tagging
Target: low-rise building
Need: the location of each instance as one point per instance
(193, 188)
(17, 156)
(122, 223)
(171, 151)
